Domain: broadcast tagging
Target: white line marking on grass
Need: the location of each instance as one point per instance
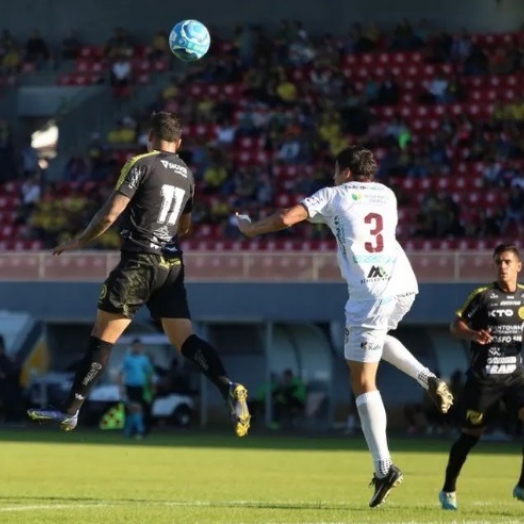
(45, 507)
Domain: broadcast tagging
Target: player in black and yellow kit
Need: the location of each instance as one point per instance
(155, 196)
(492, 319)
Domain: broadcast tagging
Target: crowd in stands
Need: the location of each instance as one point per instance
(265, 113)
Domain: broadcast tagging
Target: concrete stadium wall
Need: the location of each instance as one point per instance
(95, 20)
(76, 302)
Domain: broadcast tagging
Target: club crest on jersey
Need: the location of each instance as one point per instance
(356, 196)
(475, 417)
(520, 313)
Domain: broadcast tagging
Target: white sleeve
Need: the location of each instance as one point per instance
(318, 205)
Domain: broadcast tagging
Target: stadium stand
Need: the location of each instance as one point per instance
(443, 113)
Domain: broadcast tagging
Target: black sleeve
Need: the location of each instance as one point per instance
(189, 204)
(472, 306)
(131, 177)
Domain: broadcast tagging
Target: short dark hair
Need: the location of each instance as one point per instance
(359, 160)
(503, 248)
(166, 126)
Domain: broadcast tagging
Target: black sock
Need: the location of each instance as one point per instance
(204, 355)
(521, 479)
(457, 457)
(89, 371)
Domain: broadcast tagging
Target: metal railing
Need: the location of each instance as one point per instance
(240, 266)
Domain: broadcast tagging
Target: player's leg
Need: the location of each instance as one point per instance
(400, 357)
(479, 397)
(363, 350)
(125, 290)
(515, 398)
(169, 304)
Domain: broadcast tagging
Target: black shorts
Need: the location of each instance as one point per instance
(135, 394)
(482, 397)
(146, 279)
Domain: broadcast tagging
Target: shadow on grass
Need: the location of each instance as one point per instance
(47, 500)
(257, 439)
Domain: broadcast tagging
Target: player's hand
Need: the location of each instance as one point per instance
(244, 225)
(483, 336)
(70, 245)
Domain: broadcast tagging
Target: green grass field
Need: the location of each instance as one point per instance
(84, 477)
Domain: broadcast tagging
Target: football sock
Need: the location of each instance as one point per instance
(521, 479)
(457, 456)
(399, 356)
(206, 358)
(373, 421)
(88, 372)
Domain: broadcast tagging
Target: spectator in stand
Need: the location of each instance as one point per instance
(513, 212)
(477, 62)
(11, 61)
(31, 191)
(124, 134)
(388, 92)
(71, 46)
(120, 44)
(36, 49)
(77, 169)
(8, 168)
(120, 77)
(159, 46)
(460, 47)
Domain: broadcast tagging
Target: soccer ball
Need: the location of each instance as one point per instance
(189, 40)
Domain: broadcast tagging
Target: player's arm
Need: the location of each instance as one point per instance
(460, 327)
(185, 220)
(105, 218)
(100, 223)
(276, 222)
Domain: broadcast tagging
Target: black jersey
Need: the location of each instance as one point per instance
(161, 189)
(502, 314)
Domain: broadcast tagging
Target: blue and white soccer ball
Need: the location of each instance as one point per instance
(189, 40)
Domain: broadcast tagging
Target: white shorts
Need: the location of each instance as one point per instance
(368, 323)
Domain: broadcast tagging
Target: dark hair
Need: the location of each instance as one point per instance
(166, 126)
(359, 160)
(503, 248)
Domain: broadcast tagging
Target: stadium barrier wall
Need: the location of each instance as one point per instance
(249, 286)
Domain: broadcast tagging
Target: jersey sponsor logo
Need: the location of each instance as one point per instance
(370, 346)
(500, 313)
(181, 170)
(356, 196)
(376, 273)
(510, 303)
(475, 417)
(500, 369)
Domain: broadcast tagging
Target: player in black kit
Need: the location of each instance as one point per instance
(492, 320)
(155, 196)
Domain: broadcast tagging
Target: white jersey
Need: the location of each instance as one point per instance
(363, 217)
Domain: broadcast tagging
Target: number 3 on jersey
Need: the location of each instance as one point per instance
(377, 225)
(172, 200)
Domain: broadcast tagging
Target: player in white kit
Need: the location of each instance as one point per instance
(362, 214)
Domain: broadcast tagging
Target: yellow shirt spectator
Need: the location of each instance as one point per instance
(121, 135)
(287, 91)
(215, 176)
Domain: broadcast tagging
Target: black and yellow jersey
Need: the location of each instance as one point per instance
(161, 189)
(502, 314)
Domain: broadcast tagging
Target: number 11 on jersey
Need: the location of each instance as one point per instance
(172, 199)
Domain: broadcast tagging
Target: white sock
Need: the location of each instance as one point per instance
(399, 356)
(373, 421)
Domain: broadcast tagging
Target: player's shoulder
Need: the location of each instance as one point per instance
(173, 163)
(480, 292)
(142, 159)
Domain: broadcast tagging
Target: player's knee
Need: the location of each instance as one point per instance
(473, 432)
